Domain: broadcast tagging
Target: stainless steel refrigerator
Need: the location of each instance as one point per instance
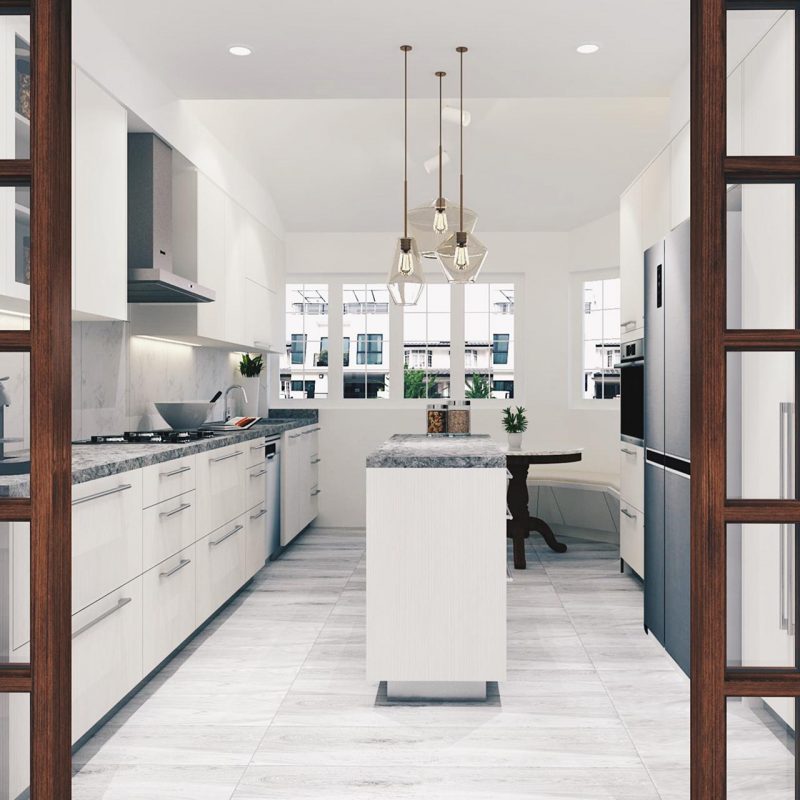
(666, 440)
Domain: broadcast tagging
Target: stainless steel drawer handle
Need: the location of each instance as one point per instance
(259, 473)
(121, 603)
(313, 430)
(259, 515)
(315, 460)
(175, 472)
(627, 451)
(121, 488)
(316, 492)
(256, 447)
(627, 324)
(181, 507)
(215, 542)
(183, 563)
(295, 435)
(627, 513)
(225, 458)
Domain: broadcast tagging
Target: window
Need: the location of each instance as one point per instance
(600, 339)
(322, 360)
(365, 320)
(304, 364)
(489, 340)
(426, 331)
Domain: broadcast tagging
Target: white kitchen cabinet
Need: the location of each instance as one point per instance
(656, 200)
(631, 260)
(300, 488)
(168, 592)
(236, 249)
(631, 537)
(100, 213)
(221, 566)
(106, 535)
(680, 181)
(164, 481)
(631, 481)
(167, 528)
(106, 654)
(221, 493)
(256, 552)
(256, 488)
(259, 305)
(734, 112)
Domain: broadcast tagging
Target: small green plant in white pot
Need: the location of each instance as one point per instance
(250, 368)
(516, 423)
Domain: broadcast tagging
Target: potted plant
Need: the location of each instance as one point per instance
(250, 368)
(515, 423)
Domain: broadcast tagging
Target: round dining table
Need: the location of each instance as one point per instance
(521, 523)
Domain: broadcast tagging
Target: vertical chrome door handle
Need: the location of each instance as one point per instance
(787, 534)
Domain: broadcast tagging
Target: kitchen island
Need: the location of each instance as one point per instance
(436, 566)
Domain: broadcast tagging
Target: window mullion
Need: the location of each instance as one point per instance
(457, 346)
(335, 344)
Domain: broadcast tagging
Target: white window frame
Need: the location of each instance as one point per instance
(335, 283)
(576, 400)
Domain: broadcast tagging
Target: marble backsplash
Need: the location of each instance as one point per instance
(116, 377)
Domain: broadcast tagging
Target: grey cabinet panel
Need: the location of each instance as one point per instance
(677, 400)
(654, 295)
(654, 550)
(677, 569)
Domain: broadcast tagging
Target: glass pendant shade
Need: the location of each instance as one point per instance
(422, 222)
(462, 256)
(405, 280)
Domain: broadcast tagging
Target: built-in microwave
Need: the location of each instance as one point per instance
(631, 369)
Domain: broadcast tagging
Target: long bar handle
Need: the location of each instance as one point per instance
(258, 474)
(215, 542)
(178, 510)
(121, 488)
(627, 451)
(121, 603)
(785, 468)
(183, 563)
(259, 515)
(627, 513)
(225, 458)
(175, 472)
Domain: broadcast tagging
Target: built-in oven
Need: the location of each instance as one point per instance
(631, 369)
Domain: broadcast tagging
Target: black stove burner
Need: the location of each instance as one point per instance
(153, 437)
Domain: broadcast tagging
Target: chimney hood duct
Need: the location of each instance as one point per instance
(150, 275)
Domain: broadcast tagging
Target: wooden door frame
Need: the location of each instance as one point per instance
(713, 682)
(47, 678)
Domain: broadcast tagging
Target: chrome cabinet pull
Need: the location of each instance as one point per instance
(215, 542)
(181, 507)
(183, 563)
(316, 492)
(256, 447)
(313, 430)
(121, 603)
(786, 619)
(270, 456)
(225, 458)
(175, 472)
(121, 488)
(315, 460)
(259, 515)
(627, 513)
(295, 435)
(259, 473)
(627, 451)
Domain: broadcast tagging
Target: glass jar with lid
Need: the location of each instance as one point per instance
(437, 419)
(458, 418)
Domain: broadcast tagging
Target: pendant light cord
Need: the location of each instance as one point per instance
(461, 141)
(440, 135)
(405, 141)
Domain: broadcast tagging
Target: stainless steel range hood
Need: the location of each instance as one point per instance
(150, 275)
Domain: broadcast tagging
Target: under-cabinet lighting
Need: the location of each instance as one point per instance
(168, 341)
(239, 50)
(588, 49)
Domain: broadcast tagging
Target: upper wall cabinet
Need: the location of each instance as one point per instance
(680, 180)
(631, 262)
(100, 202)
(656, 200)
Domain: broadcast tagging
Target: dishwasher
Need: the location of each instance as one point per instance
(272, 462)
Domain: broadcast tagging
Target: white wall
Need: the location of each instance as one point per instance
(350, 432)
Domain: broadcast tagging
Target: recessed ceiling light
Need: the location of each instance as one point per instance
(239, 50)
(588, 49)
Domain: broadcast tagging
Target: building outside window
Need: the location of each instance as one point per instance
(304, 363)
(365, 323)
(600, 338)
(426, 330)
(489, 340)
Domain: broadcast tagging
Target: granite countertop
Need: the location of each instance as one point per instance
(413, 451)
(92, 461)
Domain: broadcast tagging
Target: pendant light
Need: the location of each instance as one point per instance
(430, 224)
(405, 277)
(462, 255)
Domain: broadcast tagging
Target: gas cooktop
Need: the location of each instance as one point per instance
(150, 437)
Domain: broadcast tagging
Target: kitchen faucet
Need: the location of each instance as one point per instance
(228, 415)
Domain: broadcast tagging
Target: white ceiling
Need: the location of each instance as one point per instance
(349, 48)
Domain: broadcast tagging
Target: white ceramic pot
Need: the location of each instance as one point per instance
(252, 386)
(515, 441)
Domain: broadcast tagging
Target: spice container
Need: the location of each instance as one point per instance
(458, 418)
(437, 419)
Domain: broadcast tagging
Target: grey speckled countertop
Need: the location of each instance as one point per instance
(413, 451)
(91, 461)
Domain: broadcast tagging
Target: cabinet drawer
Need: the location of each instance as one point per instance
(220, 559)
(256, 484)
(167, 528)
(220, 486)
(106, 536)
(168, 592)
(255, 452)
(164, 481)
(631, 474)
(631, 537)
(256, 554)
(106, 654)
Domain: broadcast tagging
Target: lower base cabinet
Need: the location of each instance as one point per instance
(106, 654)
(631, 536)
(256, 555)
(168, 606)
(221, 566)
